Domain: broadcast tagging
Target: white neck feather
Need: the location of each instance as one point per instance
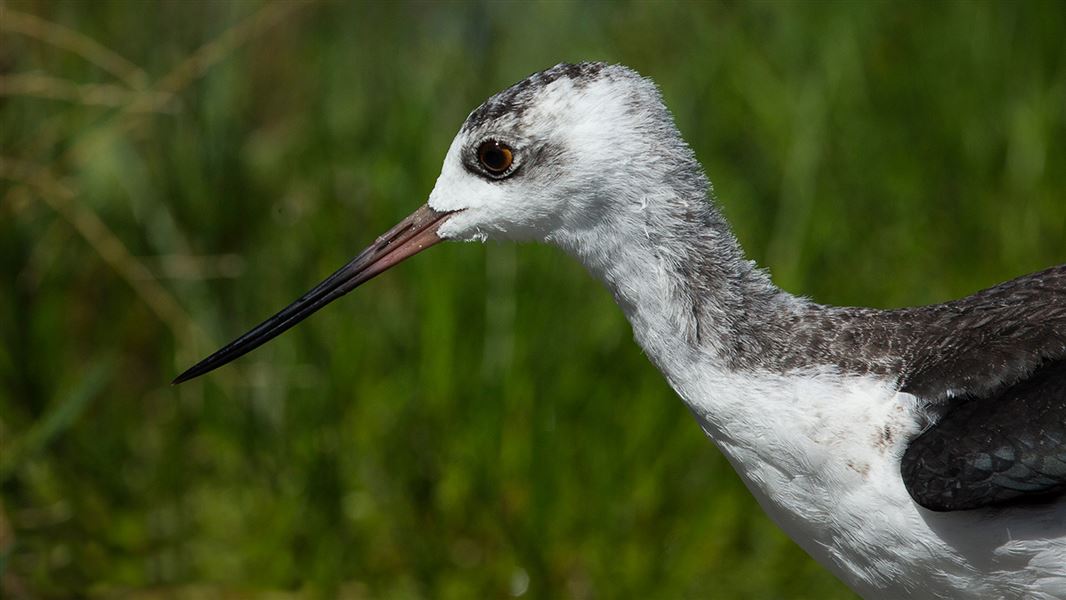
(796, 440)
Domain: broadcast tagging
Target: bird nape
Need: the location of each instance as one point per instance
(917, 452)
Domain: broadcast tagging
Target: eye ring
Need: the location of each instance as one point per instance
(495, 157)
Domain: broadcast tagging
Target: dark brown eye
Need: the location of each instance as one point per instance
(495, 157)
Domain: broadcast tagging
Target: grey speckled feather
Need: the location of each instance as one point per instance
(969, 346)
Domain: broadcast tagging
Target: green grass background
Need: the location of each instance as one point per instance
(477, 423)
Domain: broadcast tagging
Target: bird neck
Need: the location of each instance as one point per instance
(744, 356)
(784, 387)
(676, 270)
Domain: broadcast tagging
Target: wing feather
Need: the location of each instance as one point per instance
(1006, 448)
(996, 337)
(994, 366)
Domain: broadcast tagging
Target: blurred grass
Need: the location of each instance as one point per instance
(477, 423)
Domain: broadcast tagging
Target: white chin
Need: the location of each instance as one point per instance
(461, 228)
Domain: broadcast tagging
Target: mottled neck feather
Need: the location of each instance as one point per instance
(673, 265)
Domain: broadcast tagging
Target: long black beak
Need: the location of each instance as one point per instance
(412, 235)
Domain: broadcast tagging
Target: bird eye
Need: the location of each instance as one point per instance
(495, 157)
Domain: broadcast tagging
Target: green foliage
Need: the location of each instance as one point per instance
(477, 423)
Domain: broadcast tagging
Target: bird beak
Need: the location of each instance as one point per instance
(412, 235)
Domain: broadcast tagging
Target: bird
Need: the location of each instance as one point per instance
(914, 452)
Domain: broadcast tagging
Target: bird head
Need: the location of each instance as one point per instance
(553, 154)
(549, 159)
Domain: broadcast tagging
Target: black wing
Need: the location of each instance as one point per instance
(1006, 448)
(994, 366)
